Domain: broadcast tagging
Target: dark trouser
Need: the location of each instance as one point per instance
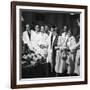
(53, 60)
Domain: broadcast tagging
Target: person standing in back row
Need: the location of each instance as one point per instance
(26, 37)
(54, 38)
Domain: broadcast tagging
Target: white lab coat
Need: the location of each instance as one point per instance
(43, 41)
(28, 40)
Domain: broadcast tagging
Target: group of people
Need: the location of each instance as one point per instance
(60, 50)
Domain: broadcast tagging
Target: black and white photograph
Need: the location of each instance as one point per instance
(49, 44)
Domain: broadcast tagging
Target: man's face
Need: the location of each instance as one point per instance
(46, 28)
(27, 27)
(69, 33)
(65, 28)
(37, 28)
(56, 28)
(42, 28)
(52, 29)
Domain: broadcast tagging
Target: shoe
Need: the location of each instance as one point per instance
(75, 74)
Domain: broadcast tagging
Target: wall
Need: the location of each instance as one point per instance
(5, 44)
(48, 18)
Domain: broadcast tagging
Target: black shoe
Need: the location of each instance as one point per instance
(75, 74)
(60, 74)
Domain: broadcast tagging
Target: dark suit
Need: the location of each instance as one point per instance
(54, 53)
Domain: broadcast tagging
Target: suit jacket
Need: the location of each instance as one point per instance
(54, 52)
(54, 40)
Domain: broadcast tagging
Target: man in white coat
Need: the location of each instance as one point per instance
(26, 37)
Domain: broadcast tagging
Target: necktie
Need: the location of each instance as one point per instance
(51, 39)
(29, 34)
